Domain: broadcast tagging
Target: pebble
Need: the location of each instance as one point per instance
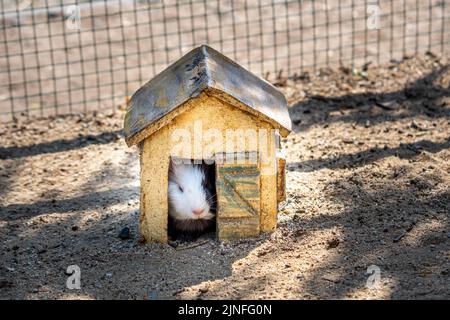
(348, 141)
(331, 278)
(173, 244)
(333, 243)
(399, 237)
(203, 289)
(125, 233)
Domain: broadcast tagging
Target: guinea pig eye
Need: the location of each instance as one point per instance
(180, 188)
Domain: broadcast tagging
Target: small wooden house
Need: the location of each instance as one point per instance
(204, 92)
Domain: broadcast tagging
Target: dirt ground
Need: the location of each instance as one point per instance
(367, 182)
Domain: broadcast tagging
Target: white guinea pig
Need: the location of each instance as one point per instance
(191, 198)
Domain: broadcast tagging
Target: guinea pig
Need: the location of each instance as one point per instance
(192, 199)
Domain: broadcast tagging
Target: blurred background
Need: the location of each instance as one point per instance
(63, 56)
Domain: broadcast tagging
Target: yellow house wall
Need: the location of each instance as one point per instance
(207, 113)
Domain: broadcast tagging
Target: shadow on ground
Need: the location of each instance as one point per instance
(423, 96)
(60, 145)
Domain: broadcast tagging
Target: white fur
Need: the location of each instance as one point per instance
(193, 196)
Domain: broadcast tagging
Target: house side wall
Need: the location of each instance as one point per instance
(209, 115)
(154, 180)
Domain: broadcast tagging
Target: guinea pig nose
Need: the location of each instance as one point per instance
(198, 212)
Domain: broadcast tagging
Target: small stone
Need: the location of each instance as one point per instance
(173, 244)
(331, 278)
(125, 233)
(203, 289)
(298, 233)
(74, 228)
(176, 292)
(387, 105)
(333, 243)
(448, 234)
(399, 237)
(261, 253)
(68, 273)
(348, 141)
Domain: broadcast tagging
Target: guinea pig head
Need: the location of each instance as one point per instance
(188, 195)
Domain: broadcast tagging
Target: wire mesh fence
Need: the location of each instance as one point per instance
(60, 57)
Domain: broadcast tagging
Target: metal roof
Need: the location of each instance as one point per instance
(202, 70)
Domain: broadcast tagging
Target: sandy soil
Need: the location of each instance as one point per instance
(368, 184)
